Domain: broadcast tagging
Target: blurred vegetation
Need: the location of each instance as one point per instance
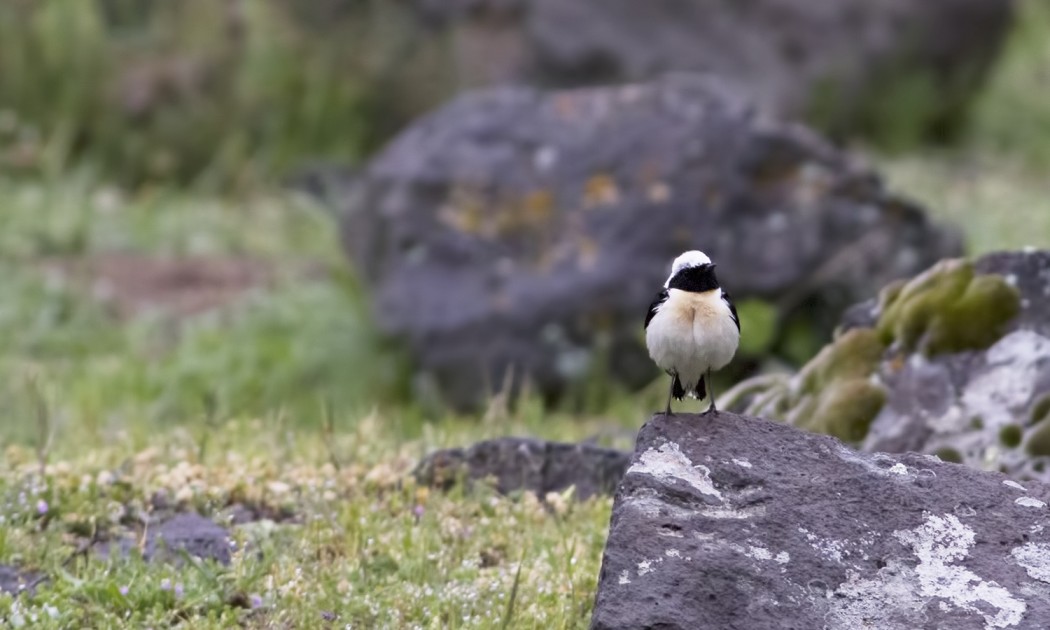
(218, 93)
(1013, 115)
(994, 184)
(297, 339)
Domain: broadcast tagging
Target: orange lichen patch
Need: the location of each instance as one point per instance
(600, 190)
(538, 207)
(464, 211)
(135, 284)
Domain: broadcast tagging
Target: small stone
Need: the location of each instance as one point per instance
(541, 467)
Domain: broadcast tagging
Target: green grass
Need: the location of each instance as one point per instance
(998, 202)
(364, 547)
(282, 398)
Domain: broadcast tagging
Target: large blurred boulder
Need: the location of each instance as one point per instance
(517, 230)
(727, 521)
(853, 64)
(955, 362)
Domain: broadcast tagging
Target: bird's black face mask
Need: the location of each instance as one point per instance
(695, 279)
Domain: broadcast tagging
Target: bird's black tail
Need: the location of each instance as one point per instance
(676, 388)
(701, 389)
(679, 392)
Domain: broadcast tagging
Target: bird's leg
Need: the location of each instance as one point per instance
(670, 392)
(710, 393)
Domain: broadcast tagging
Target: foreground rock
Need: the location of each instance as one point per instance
(727, 521)
(844, 62)
(514, 233)
(14, 581)
(522, 464)
(955, 362)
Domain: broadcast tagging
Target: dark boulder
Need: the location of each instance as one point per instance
(516, 233)
(728, 521)
(530, 465)
(849, 65)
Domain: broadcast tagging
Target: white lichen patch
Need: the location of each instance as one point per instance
(831, 549)
(1014, 484)
(743, 463)
(673, 553)
(889, 600)
(999, 394)
(645, 566)
(1029, 502)
(942, 541)
(1035, 558)
(668, 463)
(783, 557)
(729, 512)
(899, 469)
(625, 577)
(759, 553)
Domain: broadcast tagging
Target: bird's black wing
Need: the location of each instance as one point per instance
(661, 297)
(732, 309)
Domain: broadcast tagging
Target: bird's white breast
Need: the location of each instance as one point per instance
(692, 333)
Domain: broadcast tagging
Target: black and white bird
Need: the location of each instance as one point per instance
(692, 328)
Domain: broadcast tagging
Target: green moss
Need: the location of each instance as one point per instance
(855, 354)
(948, 309)
(847, 410)
(949, 455)
(977, 318)
(1011, 435)
(889, 293)
(759, 319)
(1039, 440)
(1040, 410)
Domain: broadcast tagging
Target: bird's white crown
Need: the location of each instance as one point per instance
(692, 258)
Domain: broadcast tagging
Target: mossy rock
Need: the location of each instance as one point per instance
(1040, 410)
(846, 409)
(948, 309)
(1039, 440)
(949, 454)
(854, 354)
